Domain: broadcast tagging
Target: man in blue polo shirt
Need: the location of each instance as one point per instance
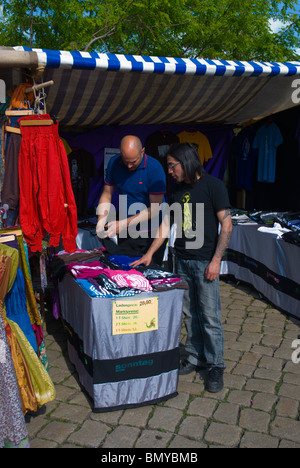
(140, 179)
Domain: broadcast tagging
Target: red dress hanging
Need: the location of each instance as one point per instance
(47, 202)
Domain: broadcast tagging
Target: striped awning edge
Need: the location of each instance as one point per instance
(153, 64)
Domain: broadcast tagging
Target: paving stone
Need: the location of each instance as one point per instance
(232, 355)
(136, 416)
(193, 426)
(64, 393)
(42, 444)
(264, 401)
(291, 379)
(271, 340)
(290, 391)
(122, 437)
(268, 374)
(271, 363)
(227, 413)
(242, 346)
(250, 337)
(252, 328)
(244, 369)
(261, 385)
(287, 407)
(286, 428)
(179, 402)
(242, 398)
(287, 444)
(253, 420)
(292, 368)
(153, 439)
(251, 359)
(190, 387)
(234, 381)
(91, 434)
(223, 434)
(165, 418)
(73, 413)
(284, 353)
(275, 331)
(257, 440)
(202, 407)
(183, 442)
(57, 431)
(111, 418)
(263, 350)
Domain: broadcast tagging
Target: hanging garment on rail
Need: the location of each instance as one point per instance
(34, 383)
(13, 431)
(47, 203)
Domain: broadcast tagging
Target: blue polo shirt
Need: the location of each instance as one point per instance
(148, 178)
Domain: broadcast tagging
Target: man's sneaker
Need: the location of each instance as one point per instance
(214, 382)
(186, 368)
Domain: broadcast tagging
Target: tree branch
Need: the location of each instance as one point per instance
(111, 28)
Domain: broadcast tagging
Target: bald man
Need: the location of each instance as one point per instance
(139, 179)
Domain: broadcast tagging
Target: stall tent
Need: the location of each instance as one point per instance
(93, 89)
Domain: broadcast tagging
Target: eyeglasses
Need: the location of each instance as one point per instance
(173, 165)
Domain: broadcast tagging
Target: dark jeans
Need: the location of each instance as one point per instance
(202, 310)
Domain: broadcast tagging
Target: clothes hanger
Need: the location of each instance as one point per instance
(39, 98)
(8, 238)
(36, 123)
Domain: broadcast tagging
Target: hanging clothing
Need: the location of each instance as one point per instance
(200, 141)
(13, 431)
(267, 140)
(2, 159)
(246, 158)
(27, 397)
(10, 191)
(47, 201)
(21, 259)
(16, 308)
(82, 168)
(34, 383)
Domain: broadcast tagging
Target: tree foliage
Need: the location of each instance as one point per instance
(217, 29)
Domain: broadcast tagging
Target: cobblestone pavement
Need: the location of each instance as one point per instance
(258, 407)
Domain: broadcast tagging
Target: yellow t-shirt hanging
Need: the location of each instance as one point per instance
(200, 141)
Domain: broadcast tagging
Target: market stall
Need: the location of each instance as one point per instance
(83, 104)
(259, 256)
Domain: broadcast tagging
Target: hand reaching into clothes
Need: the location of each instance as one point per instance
(144, 260)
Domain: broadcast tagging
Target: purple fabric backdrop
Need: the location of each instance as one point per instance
(94, 141)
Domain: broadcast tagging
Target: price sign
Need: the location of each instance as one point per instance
(136, 316)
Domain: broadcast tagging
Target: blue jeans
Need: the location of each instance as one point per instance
(202, 310)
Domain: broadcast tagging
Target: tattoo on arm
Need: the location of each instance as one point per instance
(227, 213)
(223, 241)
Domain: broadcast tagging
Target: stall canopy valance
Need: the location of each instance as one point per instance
(93, 89)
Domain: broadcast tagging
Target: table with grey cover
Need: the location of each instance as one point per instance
(126, 370)
(267, 262)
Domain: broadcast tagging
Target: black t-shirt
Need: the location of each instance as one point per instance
(212, 194)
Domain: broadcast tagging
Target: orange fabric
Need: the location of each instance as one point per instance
(19, 98)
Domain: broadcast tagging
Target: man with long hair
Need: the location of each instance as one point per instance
(198, 263)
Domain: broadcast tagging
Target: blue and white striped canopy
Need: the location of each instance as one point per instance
(92, 89)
